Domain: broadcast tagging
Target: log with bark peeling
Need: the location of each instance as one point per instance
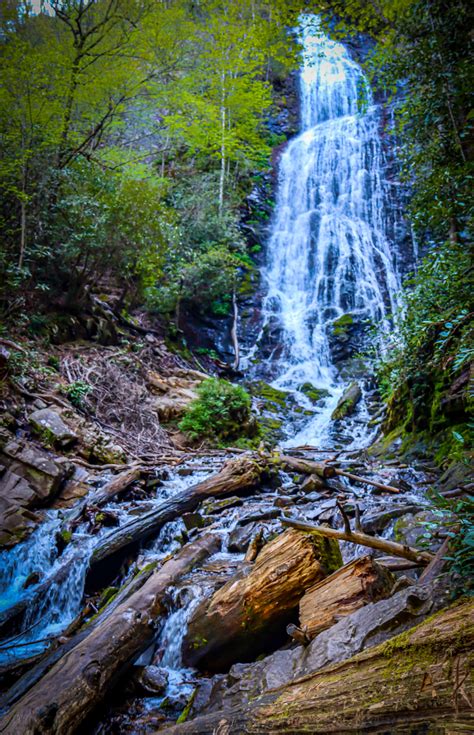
(346, 590)
(363, 539)
(237, 476)
(60, 701)
(246, 615)
(420, 681)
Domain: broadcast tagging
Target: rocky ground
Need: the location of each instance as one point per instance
(101, 494)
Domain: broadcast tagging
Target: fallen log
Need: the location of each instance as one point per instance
(420, 678)
(104, 494)
(237, 476)
(344, 591)
(363, 539)
(394, 564)
(249, 614)
(373, 483)
(60, 701)
(306, 466)
(70, 638)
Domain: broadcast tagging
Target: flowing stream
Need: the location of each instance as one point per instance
(328, 254)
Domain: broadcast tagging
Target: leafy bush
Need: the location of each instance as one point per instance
(221, 412)
(456, 518)
(77, 391)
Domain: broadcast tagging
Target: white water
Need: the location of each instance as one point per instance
(328, 253)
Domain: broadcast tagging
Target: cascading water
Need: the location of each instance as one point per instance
(328, 253)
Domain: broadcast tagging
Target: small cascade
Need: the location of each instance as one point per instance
(328, 254)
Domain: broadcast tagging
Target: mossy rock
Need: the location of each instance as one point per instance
(314, 394)
(348, 402)
(269, 394)
(341, 326)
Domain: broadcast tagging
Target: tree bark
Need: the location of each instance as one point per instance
(63, 698)
(237, 476)
(306, 466)
(419, 678)
(249, 613)
(363, 539)
(346, 590)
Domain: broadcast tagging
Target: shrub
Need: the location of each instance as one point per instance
(221, 412)
(455, 517)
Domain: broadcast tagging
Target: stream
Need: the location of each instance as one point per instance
(328, 256)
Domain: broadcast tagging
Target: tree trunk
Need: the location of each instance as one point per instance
(237, 476)
(63, 698)
(351, 587)
(249, 614)
(416, 682)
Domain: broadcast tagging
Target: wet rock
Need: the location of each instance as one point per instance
(51, 428)
(240, 538)
(409, 529)
(314, 394)
(153, 679)
(31, 580)
(210, 507)
(312, 482)
(375, 523)
(192, 520)
(348, 402)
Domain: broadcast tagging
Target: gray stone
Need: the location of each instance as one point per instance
(40, 470)
(240, 538)
(16, 495)
(375, 523)
(50, 426)
(153, 679)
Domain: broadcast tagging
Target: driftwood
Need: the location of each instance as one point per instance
(237, 476)
(60, 701)
(420, 679)
(250, 612)
(358, 478)
(363, 539)
(346, 590)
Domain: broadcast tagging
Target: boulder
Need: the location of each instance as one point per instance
(347, 402)
(16, 521)
(153, 679)
(50, 427)
(174, 393)
(38, 468)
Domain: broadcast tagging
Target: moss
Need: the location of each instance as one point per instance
(328, 552)
(314, 394)
(341, 326)
(185, 713)
(266, 392)
(66, 536)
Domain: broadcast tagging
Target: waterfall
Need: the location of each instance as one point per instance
(328, 253)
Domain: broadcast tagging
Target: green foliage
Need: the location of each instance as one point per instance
(77, 391)
(455, 517)
(220, 413)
